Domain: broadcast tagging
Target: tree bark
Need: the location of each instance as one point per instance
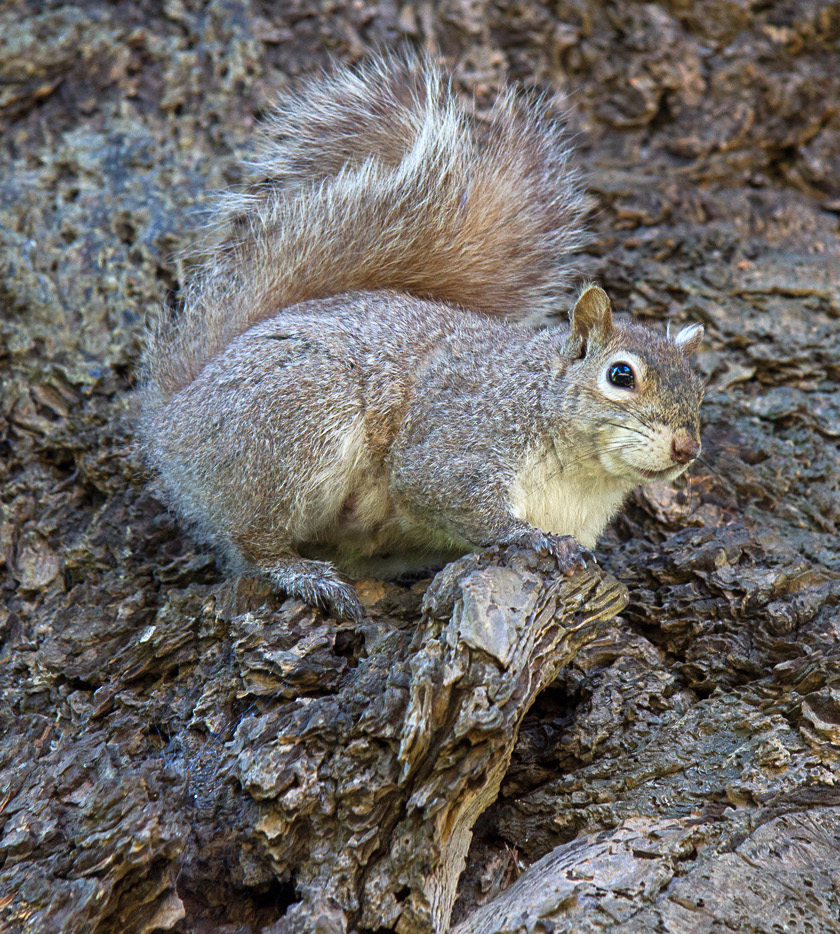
(182, 753)
(368, 796)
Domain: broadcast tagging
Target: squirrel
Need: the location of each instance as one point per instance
(350, 387)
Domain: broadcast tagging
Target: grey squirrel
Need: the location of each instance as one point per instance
(346, 387)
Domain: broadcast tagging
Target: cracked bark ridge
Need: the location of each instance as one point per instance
(629, 867)
(366, 798)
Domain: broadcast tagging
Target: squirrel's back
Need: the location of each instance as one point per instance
(381, 178)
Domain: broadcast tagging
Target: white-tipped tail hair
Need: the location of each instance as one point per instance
(380, 177)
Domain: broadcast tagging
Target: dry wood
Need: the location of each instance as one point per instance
(368, 797)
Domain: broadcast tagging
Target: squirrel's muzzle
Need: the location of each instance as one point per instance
(684, 447)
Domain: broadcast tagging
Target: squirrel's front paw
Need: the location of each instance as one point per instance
(570, 556)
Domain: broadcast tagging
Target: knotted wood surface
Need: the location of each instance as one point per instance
(367, 796)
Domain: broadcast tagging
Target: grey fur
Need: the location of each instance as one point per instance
(331, 394)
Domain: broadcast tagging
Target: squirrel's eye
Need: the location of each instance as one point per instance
(621, 375)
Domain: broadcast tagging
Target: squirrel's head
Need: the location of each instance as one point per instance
(637, 389)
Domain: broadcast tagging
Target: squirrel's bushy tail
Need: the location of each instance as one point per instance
(380, 178)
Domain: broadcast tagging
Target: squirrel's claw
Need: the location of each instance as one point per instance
(342, 602)
(570, 556)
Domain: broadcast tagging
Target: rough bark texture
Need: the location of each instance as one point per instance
(183, 753)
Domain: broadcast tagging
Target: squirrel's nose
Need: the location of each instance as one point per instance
(684, 447)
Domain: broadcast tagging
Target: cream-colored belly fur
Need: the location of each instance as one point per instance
(576, 502)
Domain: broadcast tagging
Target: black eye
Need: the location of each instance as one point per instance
(621, 375)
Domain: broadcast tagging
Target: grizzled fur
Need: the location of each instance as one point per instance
(330, 398)
(380, 178)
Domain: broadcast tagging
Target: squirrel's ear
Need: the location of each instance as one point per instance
(689, 338)
(591, 314)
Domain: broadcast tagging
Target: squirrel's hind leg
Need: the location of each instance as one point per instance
(316, 583)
